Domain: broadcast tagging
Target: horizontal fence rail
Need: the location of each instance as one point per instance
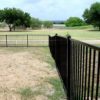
(78, 64)
(30, 40)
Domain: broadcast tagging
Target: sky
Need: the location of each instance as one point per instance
(50, 9)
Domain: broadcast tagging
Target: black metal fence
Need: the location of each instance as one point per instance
(22, 40)
(78, 64)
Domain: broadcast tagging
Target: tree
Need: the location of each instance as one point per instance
(92, 15)
(36, 23)
(74, 21)
(48, 24)
(15, 17)
(26, 22)
(1, 15)
(58, 22)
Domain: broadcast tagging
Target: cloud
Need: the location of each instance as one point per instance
(50, 9)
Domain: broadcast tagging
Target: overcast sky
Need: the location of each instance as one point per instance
(50, 9)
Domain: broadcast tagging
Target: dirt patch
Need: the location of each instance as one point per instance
(41, 97)
(20, 70)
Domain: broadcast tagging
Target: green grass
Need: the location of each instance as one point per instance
(26, 92)
(81, 27)
(77, 33)
(59, 91)
(84, 34)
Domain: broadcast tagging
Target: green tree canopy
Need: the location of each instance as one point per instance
(74, 21)
(15, 17)
(36, 23)
(48, 24)
(92, 15)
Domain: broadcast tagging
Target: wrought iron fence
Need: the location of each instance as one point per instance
(22, 40)
(78, 64)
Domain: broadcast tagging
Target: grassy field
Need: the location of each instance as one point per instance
(85, 34)
(78, 33)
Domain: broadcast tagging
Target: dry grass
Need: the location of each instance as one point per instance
(24, 75)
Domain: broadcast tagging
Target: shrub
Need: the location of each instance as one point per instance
(48, 24)
(35, 23)
(74, 21)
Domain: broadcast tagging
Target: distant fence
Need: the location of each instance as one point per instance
(78, 64)
(22, 40)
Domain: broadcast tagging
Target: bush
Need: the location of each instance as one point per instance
(74, 21)
(35, 23)
(48, 24)
(2, 25)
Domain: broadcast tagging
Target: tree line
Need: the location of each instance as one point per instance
(91, 16)
(14, 17)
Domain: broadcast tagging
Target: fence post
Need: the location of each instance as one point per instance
(27, 40)
(69, 64)
(6, 41)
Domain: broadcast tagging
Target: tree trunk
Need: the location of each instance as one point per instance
(99, 28)
(14, 28)
(10, 28)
